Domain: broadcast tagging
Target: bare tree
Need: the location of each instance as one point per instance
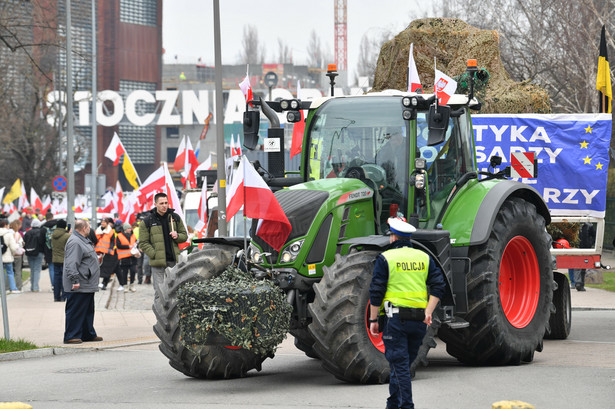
(285, 54)
(368, 52)
(553, 43)
(252, 51)
(314, 51)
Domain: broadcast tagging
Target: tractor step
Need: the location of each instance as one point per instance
(457, 323)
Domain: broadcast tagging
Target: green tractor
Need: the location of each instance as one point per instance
(367, 158)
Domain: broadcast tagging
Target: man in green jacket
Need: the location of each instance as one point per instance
(59, 237)
(160, 233)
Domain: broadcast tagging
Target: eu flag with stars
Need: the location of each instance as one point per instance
(572, 151)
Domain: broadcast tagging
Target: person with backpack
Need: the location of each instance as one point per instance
(159, 236)
(34, 240)
(48, 226)
(58, 243)
(9, 246)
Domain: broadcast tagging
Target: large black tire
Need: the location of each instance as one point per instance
(211, 361)
(560, 321)
(339, 321)
(510, 291)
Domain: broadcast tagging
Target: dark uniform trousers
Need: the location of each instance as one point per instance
(402, 339)
(79, 316)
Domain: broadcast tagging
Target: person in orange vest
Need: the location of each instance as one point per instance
(105, 248)
(125, 243)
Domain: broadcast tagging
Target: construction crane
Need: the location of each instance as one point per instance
(341, 35)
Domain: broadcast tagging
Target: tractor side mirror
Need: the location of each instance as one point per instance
(438, 123)
(251, 124)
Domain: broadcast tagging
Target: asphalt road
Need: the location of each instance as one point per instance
(576, 373)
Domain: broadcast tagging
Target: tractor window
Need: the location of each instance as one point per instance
(446, 162)
(364, 138)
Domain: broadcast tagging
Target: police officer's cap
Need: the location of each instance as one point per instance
(400, 227)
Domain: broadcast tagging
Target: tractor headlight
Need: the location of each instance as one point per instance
(405, 101)
(291, 252)
(255, 254)
(293, 116)
(294, 104)
(284, 104)
(419, 181)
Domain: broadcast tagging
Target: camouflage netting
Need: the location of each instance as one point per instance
(233, 309)
(565, 230)
(453, 42)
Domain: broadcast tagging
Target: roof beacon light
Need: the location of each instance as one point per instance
(472, 69)
(332, 73)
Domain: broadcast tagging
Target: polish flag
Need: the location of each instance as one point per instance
(23, 199)
(206, 165)
(235, 148)
(298, 129)
(414, 83)
(202, 212)
(37, 204)
(109, 205)
(46, 204)
(250, 191)
(444, 87)
(186, 159)
(115, 150)
(152, 185)
(246, 88)
(119, 198)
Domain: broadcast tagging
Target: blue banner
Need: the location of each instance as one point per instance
(572, 153)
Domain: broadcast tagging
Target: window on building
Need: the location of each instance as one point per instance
(172, 132)
(171, 154)
(143, 12)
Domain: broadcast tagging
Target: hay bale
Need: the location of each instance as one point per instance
(453, 42)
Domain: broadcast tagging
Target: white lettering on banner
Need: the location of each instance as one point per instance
(195, 104)
(479, 131)
(516, 133)
(553, 195)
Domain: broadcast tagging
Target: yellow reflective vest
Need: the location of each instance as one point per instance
(408, 270)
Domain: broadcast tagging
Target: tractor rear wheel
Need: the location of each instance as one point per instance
(206, 361)
(339, 321)
(561, 319)
(510, 291)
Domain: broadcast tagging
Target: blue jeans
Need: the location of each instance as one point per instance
(58, 291)
(402, 340)
(51, 274)
(8, 268)
(35, 262)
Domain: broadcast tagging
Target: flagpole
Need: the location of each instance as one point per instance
(94, 180)
(245, 223)
(219, 122)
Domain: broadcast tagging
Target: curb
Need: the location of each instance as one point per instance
(51, 351)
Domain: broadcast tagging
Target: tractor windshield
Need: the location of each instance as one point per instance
(363, 138)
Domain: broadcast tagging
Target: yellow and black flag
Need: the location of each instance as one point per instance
(603, 80)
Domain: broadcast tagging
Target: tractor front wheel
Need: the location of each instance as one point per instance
(206, 361)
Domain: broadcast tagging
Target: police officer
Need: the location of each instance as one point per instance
(399, 291)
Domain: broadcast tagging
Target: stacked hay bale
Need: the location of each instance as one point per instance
(453, 42)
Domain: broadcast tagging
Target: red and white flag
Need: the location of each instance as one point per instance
(206, 165)
(414, 83)
(246, 88)
(444, 87)
(37, 204)
(235, 146)
(109, 204)
(298, 129)
(115, 150)
(46, 204)
(186, 159)
(201, 225)
(119, 198)
(250, 191)
(23, 199)
(152, 185)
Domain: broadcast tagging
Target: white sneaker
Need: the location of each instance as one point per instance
(100, 285)
(15, 292)
(120, 288)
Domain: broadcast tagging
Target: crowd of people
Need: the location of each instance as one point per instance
(39, 241)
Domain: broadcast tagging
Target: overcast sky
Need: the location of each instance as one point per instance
(188, 26)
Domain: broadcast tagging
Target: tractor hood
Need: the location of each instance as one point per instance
(306, 205)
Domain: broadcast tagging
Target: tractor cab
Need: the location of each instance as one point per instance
(390, 141)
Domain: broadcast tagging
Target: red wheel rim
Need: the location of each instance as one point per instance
(519, 282)
(376, 341)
